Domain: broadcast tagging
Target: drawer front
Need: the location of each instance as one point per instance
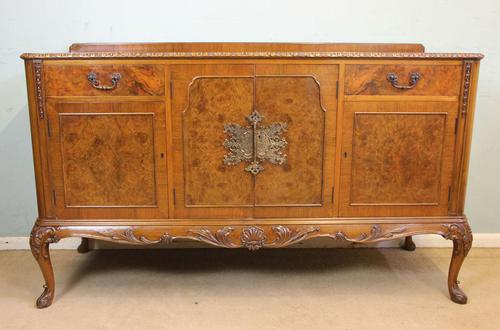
(401, 79)
(105, 80)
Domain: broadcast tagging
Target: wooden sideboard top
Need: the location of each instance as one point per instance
(247, 50)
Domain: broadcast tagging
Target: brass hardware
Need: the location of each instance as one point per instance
(115, 78)
(255, 143)
(414, 78)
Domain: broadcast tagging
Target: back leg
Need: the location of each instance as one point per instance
(409, 245)
(84, 246)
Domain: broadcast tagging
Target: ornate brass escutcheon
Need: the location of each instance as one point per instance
(255, 144)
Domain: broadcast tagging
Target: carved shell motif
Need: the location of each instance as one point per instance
(253, 238)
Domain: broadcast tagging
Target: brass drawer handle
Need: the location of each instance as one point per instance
(414, 78)
(115, 78)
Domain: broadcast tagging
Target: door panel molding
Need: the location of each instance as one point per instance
(184, 206)
(416, 166)
(116, 153)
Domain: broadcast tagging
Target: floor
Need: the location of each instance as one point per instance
(237, 289)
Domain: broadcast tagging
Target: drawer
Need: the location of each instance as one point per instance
(104, 80)
(401, 79)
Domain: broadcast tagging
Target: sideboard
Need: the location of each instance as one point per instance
(255, 145)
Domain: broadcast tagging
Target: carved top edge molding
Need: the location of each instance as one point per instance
(94, 55)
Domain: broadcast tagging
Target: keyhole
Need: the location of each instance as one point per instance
(345, 154)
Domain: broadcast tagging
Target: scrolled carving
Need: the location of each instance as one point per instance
(220, 238)
(286, 236)
(40, 236)
(253, 237)
(128, 236)
(459, 232)
(376, 234)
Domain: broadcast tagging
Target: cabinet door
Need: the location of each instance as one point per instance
(204, 99)
(107, 159)
(397, 158)
(302, 97)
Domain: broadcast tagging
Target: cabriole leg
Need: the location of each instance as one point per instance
(409, 245)
(462, 242)
(40, 239)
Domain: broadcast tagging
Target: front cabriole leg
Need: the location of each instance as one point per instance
(461, 235)
(40, 239)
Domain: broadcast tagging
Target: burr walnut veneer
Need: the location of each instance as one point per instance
(250, 145)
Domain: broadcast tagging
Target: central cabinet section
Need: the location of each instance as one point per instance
(253, 140)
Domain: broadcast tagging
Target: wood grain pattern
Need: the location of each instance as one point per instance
(369, 79)
(296, 102)
(303, 96)
(203, 185)
(137, 80)
(397, 158)
(214, 102)
(108, 159)
(393, 163)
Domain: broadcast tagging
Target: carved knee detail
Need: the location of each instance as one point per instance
(40, 239)
(461, 235)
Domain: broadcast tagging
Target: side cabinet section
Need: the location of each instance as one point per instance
(397, 158)
(108, 158)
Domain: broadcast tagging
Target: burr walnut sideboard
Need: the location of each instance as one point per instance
(253, 145)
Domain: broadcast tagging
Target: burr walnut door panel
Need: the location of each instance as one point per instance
(108, 159)
(397, 158)
(303, 98)
(205, 98)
